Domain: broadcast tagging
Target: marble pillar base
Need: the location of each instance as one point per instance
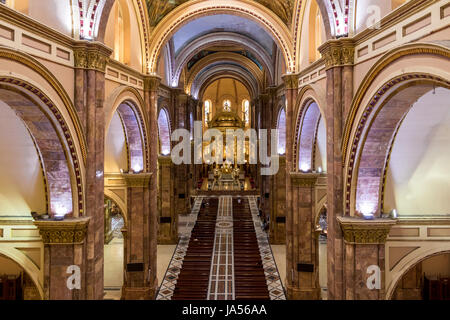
(141, 293)
(294, 293)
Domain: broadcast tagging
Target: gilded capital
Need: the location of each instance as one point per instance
(136, 180)
(301, 179)
(69, 231)
(151, 83)
(361, 231)
(165, 160)
(338, 52)
(91, 55)
(264, 97)
(290, 81)
(272, 91)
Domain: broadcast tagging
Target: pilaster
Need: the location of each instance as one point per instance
(64, 250)
(139, 274)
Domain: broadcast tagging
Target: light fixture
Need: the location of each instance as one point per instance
(60, 212)
(98, 173)
(319, 169)
(137, 168)
(394, 214)
(304, 167)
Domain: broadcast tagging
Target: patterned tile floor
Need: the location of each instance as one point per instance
(273, 279)
(186, 224)
(222, 267)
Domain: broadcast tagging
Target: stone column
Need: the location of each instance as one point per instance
(364, 243)
(138, 281)
(168, 217)
(291, 89)
(304, 277)
(277, 231)
(181, 199)
(151, 85)
(90, 66)
(265, 181)
(65, 255)
(339, 57)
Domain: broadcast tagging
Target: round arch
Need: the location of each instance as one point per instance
(122, 206)
(220, 72)
(386, 78)
(221, 38)
(245, 8)
(53, 142)
(129, 104)
(411, 260)
(221, 57)
(30, 268)
(306, 126)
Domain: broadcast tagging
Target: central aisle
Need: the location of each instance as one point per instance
(223, 254)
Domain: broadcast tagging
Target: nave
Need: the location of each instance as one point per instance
(223, 255)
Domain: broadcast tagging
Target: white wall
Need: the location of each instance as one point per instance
(115, 147)
(418, 180)
(21, 179)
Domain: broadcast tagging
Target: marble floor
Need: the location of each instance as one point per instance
(113, 266)
(273, 278)
(279, 253)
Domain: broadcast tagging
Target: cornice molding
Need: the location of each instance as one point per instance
(338, 52)
(137, 180)
(69, 231)
(360, 231)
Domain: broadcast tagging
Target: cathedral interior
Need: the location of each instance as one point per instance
(118, 180)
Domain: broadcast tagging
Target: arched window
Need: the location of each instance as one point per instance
(246, 111)
(281, 126)
(164, 131)
(226, 105)
(208, 111)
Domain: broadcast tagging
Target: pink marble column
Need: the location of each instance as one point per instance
(139, 280)
(90, 64)
(304, 277)
(168, 217)
(181, 171)
(64, 257)
(291, 90)
(151, 85)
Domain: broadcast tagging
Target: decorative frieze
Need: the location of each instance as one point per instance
(68, 231)
(136, 180)
(301, 179)
(338, 52)
(361, 231)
